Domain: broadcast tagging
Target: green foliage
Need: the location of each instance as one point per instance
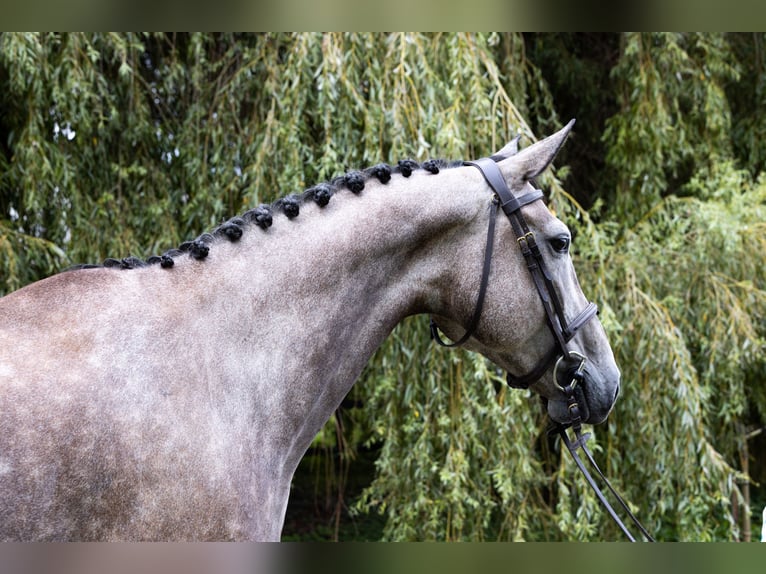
(673, 114)
(467, 473)
(691, 293)
(119, 144)
(747, 98)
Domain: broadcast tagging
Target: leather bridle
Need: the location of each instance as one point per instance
(563, 331)
(568, 364)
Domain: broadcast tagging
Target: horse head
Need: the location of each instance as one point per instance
(532, 318)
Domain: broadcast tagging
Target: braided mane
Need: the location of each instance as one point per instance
(262, 216)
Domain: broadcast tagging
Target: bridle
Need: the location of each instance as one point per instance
(568, 364)
(563, 331)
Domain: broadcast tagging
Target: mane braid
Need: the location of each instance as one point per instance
(263, 215)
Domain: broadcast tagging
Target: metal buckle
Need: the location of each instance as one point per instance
(577, 376)
(526, 237)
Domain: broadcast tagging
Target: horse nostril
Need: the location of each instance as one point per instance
(616, 393)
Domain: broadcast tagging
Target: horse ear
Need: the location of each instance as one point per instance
(510, 149)
(533, 160)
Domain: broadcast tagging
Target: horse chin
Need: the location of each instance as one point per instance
(558, 410)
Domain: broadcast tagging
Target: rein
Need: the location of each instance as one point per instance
(569, 366)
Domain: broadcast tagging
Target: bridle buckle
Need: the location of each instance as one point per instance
(577, 376)
(526, 238)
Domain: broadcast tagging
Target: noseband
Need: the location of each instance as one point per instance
(563, 331)
(569, 365)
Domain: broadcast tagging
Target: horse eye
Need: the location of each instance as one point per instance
(560, 244)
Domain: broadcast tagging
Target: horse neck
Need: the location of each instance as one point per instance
(384, 255)
(320, 293)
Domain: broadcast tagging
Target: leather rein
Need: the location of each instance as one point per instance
(569, 365)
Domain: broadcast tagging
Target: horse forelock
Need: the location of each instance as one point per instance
(263, 216)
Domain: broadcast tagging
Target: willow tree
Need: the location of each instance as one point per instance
(127, 144)
(692, 287)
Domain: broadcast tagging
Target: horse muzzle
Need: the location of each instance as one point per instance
(584, 395)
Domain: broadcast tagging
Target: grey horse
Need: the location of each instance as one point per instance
(174, 399)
